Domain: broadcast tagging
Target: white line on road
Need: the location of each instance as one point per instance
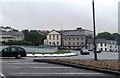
(1, 75)
(54, 73)
(41, 67)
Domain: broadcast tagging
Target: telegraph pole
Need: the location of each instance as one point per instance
(95, 53)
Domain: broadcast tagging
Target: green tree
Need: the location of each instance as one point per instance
(105, 35)
(116, 37)
(34, 37)
(26, 34)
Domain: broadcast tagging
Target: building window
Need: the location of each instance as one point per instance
(73, 39)
(73, 43)
(110, 50)
(57, 37)
(101, 44)
(57, 43)
(105, 49)
(53, 43)
(50, 37)
(50, 43)
(110, 46)
(105, 44)
(115, 46)
(82, 43)
(65, 44)
(69, 38)
(77, 43)
(65, 39)
(53, 37)
(101, 49)
(69, 43)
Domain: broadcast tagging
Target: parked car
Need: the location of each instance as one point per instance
(84, 52)
(13, 51)
(99, 51)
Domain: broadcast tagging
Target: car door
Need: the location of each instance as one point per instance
(13, 51)
(6, 52)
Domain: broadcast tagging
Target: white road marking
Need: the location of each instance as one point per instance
(54, 73)
(1, 75)
(42, 67)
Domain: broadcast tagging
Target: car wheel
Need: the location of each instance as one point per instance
(18, 56)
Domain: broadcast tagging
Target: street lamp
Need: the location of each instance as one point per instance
(95, 53)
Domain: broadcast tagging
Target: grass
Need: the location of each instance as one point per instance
(113, 65)
(57, 52)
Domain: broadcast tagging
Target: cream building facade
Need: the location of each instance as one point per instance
(53, 38)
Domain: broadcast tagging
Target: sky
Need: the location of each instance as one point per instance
(59, 14)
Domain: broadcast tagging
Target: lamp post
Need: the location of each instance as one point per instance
(95, 53)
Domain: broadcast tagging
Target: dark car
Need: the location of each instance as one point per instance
(99, 51)
(12, 51)
(84, 52)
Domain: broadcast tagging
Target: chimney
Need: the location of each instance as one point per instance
(79, 28)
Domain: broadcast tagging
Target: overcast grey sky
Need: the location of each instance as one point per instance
(49, 14)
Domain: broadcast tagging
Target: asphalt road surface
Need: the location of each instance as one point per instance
(26, 68)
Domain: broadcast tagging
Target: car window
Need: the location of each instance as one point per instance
(13, 49)
(20, 49)
(6, 50)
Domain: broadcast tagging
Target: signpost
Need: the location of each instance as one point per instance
(95, 53)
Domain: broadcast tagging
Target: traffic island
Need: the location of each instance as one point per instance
(106, 66)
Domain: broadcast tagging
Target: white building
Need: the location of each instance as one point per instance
(103, 44)
(53, 38)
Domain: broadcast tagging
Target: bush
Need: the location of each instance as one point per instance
(17, 43)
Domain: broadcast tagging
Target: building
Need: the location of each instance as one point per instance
(103, 44)
(53, 38)
(75, 39)
(11, 35)
(68, 39)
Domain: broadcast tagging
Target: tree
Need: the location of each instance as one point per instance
(105, 35)
(34, 37)
(116, 37)
(26, 34)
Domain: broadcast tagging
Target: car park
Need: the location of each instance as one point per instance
(13, 51)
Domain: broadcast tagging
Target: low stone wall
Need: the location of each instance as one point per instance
(112, 65)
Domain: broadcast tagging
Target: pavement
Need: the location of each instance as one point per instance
(51, 55)
(27, 68)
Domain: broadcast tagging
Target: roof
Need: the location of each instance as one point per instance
(100, 40)
(73, 32)
(54, 32)
(14, 33)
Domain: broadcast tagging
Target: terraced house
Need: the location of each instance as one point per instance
(10, 35)
(75, 39)
(104, 45)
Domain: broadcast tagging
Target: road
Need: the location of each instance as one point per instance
(26, 68)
